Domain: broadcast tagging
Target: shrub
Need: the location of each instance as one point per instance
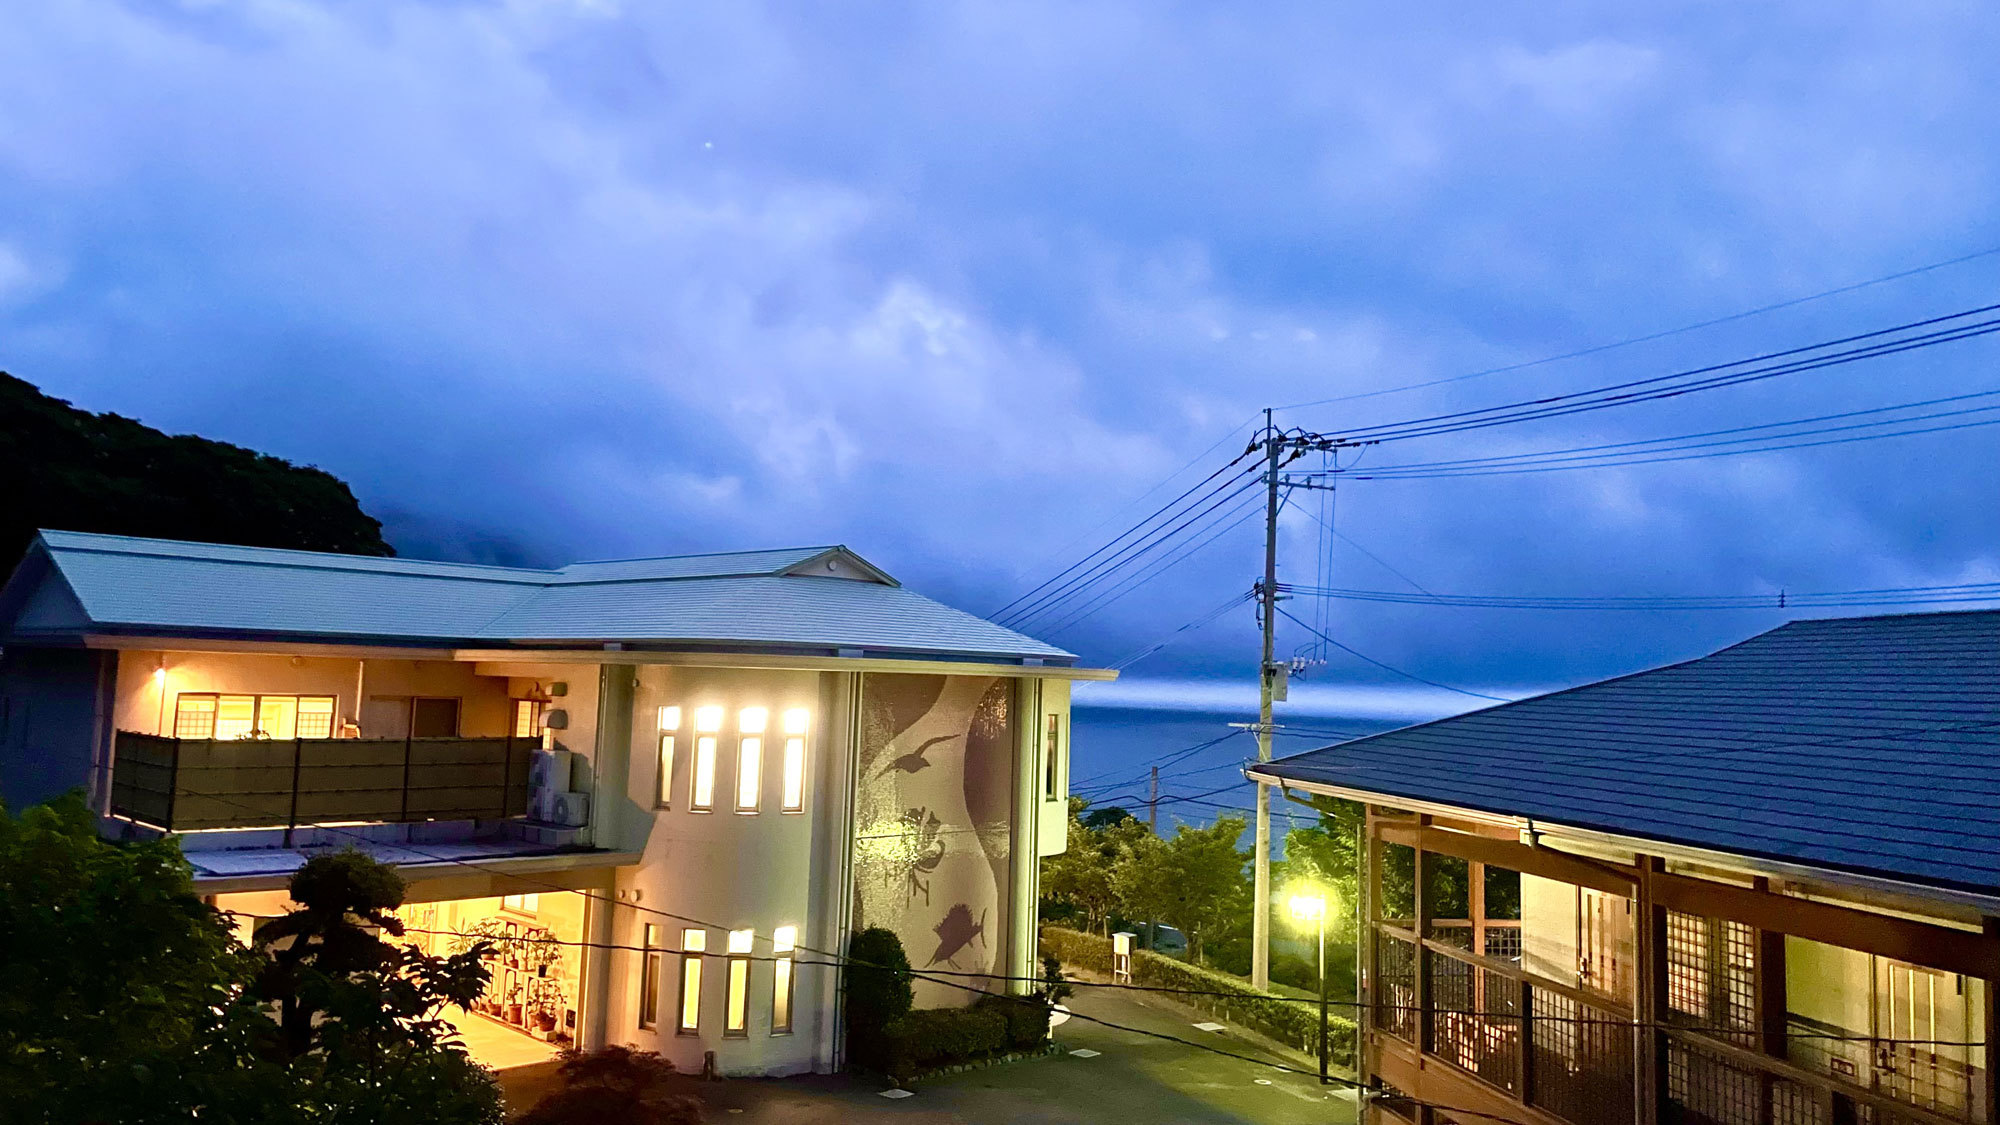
(1027, 1019)
(621, 1084)
(877, 994)
(937, 1037)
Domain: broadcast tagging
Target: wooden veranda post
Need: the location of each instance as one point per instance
(1649, 998)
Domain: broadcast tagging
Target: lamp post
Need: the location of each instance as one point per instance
(1311, 908)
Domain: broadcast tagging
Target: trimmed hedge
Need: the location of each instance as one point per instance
(1286, 1020)
(938, 1037)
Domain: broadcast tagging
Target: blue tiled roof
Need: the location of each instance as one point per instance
(1869, 745)
(753, 599)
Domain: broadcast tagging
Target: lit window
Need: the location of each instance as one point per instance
(649, 979)
(702, 790)
(784, 940)
(701, 787)
(528, 718)
(315, 716)
(670, 722)
(795, 760)
(750, 758)
(1052, 772)
(521, 904)
(194, 716)
(693, 943)
(736, 1017)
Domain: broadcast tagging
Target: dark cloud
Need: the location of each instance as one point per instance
(954, 283)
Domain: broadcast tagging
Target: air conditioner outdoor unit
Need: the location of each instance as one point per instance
(570, 810)
(550, 771)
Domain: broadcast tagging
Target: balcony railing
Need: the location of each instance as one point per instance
(187, 784)
(1570, 1053)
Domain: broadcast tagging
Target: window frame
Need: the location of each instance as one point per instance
(792, 768)
(1052, 758)
(651, 962)
(256, 714)
(669, 727)
(694, 947)
(707, 748)
(784, 978)
(736, 990)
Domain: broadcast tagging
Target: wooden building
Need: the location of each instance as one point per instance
(1758, 887)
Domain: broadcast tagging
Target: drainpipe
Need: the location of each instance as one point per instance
(360, 682)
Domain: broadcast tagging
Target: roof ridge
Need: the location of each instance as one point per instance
(291, 557)
(816, 549)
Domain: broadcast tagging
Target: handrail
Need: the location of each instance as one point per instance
(1512, 971)
(1791, 1072)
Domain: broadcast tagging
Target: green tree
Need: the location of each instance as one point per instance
(360, 1020)
(121, 986)
(1193, 881)
(1080, 878)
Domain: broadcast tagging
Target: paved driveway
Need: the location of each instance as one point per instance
(1134, 1078)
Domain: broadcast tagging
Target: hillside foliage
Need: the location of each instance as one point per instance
(71, 470)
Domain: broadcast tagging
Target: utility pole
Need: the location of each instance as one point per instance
(1280, 448)
(1267, 593)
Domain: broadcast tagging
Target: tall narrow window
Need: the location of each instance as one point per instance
(701, 789)
(649, 979)
(736, 1015)
(794, 797)
(784, 943)
(670, 723)
(1052, 771)
(693, 944)
(750, 758)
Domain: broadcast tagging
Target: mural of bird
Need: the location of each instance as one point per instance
(956, 932)
(915, 760)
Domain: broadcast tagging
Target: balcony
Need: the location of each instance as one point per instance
(193, 784)
(1536, 1050)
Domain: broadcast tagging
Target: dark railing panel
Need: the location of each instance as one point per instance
(191, 784)
(1583, 1060)
(1475, 1019)
(142, 782)
(1396, 986)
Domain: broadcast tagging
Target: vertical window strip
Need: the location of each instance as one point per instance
(736, 1014)
(694, 942)
(793, 798)
(670, 722)
(750, 723)
(649, 979)
(784, 943)
(1052, 775)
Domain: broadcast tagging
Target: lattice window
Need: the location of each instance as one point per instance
(1712, 974)
(1503, 942)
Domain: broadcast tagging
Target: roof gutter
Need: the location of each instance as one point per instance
(1532, 829)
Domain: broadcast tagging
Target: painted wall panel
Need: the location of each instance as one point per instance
(933, 821)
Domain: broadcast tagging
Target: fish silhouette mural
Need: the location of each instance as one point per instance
(955, 933)
(933, 811)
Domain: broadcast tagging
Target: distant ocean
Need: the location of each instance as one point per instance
(1113, 746)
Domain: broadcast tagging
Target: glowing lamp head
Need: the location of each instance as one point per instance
(159, 676)
(1308, 908)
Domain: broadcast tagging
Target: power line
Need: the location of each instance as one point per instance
(1028, 608)
(1693, 380)
(1205, 537)
(1894, 595)
(1390, 667)
(1157, 514)
(1205, 619)
(1651, 336)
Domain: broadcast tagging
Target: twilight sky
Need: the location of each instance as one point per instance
(955, 283)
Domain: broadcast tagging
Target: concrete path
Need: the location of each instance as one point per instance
(1135, 1078)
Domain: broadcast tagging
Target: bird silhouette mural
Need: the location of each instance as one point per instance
(915, 760)
(957, 931)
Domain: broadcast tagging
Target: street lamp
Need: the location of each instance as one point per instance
(1310, 909)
